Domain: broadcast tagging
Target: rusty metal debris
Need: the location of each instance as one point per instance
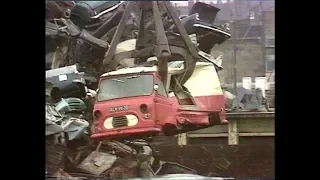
(246, 100)
(97, 162)
(82, 38)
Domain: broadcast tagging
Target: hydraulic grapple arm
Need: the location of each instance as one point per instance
(161, 49)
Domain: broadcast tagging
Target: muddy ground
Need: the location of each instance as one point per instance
(254, 157)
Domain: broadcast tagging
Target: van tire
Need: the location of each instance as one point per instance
(169, 129)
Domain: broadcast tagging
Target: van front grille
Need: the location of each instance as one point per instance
(120, 121)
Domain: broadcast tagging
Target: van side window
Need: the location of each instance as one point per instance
(162, 90)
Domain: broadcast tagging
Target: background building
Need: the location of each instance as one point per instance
(254, 37)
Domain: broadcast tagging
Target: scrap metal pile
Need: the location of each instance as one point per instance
(69, 149)
(78, 39)
(246, 101)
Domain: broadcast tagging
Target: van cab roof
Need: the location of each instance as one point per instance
(174, 68)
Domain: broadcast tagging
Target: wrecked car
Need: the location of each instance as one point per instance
(90, 14)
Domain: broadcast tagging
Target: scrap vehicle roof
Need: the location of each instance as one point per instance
(174, 68)
(131, 70)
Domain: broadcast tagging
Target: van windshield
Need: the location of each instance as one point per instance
(125, 86)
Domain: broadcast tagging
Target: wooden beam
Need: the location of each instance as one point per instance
(182, 139)
(226, 135)
(207, 135)
(256, 134)
(233, 138)
(240, 125)
(250, 115)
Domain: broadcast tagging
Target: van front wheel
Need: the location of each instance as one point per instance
(169, 130)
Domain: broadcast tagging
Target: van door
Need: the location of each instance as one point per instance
(164, 106)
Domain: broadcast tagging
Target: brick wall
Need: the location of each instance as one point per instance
(269, 22)
(250, 61)
(269, 32)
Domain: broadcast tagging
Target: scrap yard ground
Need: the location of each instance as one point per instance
(255, 158)
(208, 150)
